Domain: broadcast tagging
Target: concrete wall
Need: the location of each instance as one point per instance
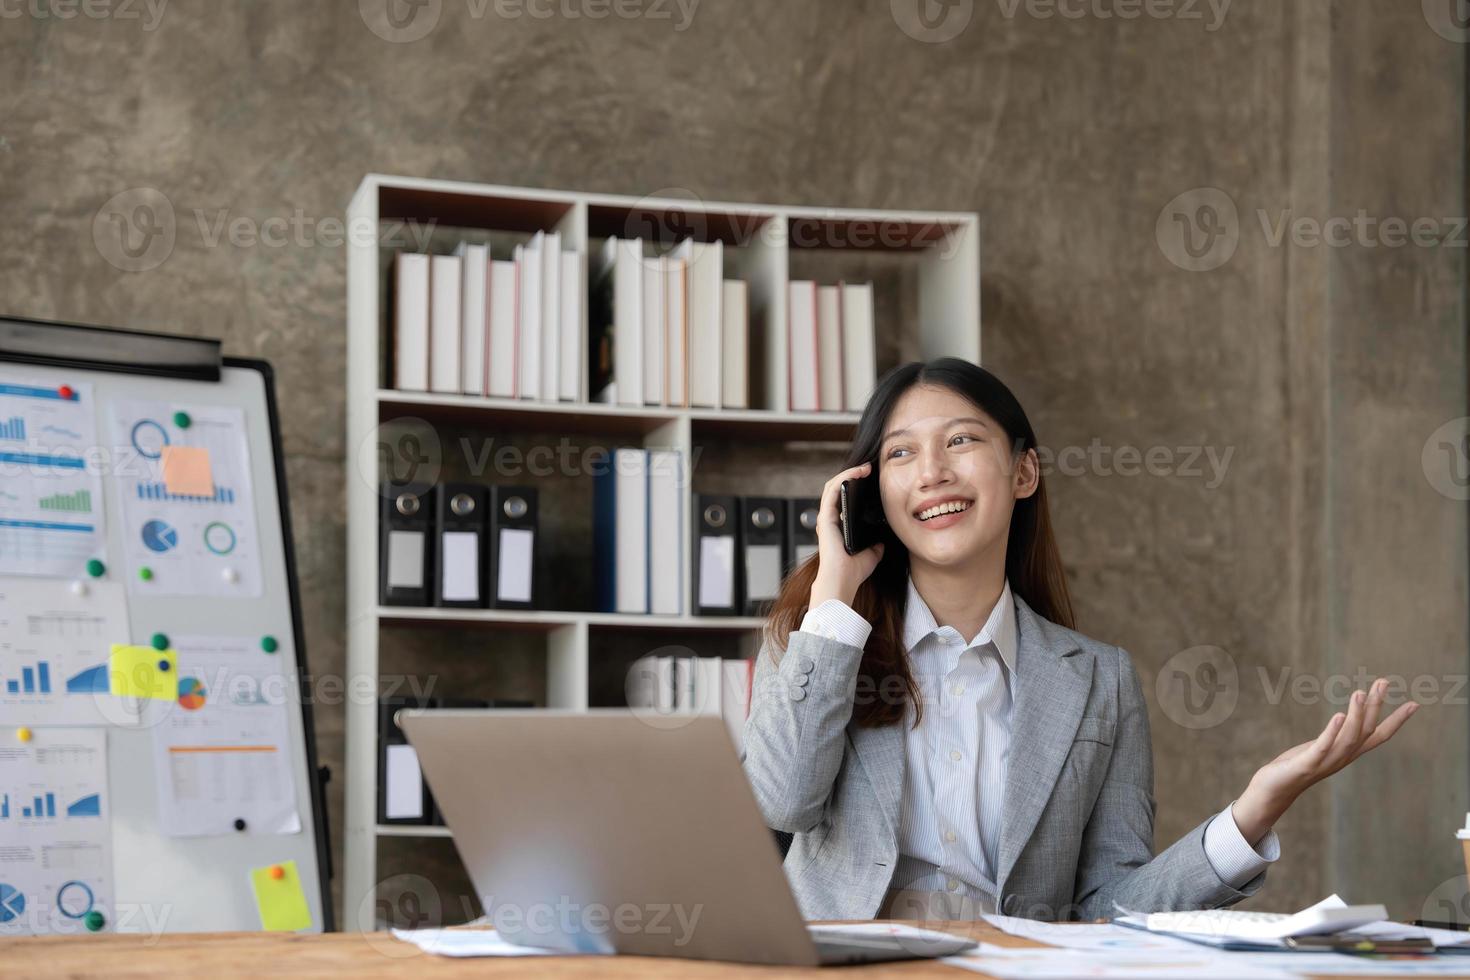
(1287, 388)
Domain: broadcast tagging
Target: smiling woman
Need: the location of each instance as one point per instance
(937, 737)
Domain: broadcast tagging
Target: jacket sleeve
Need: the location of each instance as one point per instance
(1117, 862)
(794, 737)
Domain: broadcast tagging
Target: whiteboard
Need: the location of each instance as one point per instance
(202, 883)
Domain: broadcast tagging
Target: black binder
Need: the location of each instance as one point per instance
(762, 550)
(393, 745)
(514, 538)
(717, 553)
(406, 545)
(801, 530)
(461, 543)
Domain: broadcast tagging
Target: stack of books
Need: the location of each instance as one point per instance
(830, 355)
(668, 329)
(669, 685)
(471, 324)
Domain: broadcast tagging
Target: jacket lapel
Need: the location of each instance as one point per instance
(1053, 679)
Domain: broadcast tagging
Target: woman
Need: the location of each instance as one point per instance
(939, 740)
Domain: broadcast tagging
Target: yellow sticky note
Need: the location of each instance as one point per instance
(186, 471)
(143, 672)
(279, 898)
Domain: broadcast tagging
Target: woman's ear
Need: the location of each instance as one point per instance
(1026, 476)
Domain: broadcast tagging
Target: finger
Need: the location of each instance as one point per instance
(1376, 692)
(832, 490)
(1347, 740)
(1323, 743)
(1390, 725)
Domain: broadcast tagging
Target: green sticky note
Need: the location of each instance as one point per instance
(280, 900)
(143, 672)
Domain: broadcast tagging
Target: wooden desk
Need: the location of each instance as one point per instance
(347, 956)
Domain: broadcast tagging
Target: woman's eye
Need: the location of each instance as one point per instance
(962, 439)
(892, 453)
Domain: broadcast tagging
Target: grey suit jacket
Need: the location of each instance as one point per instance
(1078, 813)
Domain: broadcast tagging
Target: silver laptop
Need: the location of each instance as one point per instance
(608, 831)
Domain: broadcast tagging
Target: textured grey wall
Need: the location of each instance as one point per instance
(1313, 373)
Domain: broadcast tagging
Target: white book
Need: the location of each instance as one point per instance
(676, 320)
(411, 321)
(684, 698)
(630, 530)
(627, 272)
(639, 684)
(654, 365)
(735, 344)
(801, 352)
(735, 696)
(706, 273)
(551, 317)
(829, 348)
(860, 361)
(666, 516)
(708, 677)
(445, 278)
(573, 325)
(501, 356)
(474, 309)
(529, 339)
(663, 682)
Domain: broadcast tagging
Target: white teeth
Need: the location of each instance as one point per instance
(954, 506)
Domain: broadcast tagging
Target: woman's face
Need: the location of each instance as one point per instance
(947, 477)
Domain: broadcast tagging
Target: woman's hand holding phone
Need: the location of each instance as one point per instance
(838, 573)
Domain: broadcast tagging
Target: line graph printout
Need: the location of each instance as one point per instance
(51, 520)
(183, 478)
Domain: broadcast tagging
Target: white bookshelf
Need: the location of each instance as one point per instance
(760, 240)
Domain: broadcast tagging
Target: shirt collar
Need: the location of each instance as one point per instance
(999, 628)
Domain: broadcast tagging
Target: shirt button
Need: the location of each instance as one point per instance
(949, 835)
(954, 886)
(958, 689)
(956, 755)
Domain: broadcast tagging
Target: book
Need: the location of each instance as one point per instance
(551, 317)
(655, 368)
(615, 324)
(573, 325)
(801, 351)
(858, 355)
(706, 306)
(676, 324)
(528, 341)
(620, 532)
(501, 355)
(666, 536)
(474, 310)
(829, 349)
(411, 321)
(735, 344)
(445, 274)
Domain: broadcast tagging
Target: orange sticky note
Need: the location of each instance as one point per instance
(186, 471)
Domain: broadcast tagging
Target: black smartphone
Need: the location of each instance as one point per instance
(860, 512)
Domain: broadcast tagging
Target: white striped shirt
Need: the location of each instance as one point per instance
(955, 760)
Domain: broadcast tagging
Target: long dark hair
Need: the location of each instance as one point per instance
(1033, 563)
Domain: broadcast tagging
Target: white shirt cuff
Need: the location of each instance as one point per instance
(1232, 857)
(836, 620)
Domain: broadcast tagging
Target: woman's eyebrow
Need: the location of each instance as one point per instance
(968, 418)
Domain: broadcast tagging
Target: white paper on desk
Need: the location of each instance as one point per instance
(1067, 964)
(1399, 930)
(468, 942)
(1091, 936)
(1342, 965)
